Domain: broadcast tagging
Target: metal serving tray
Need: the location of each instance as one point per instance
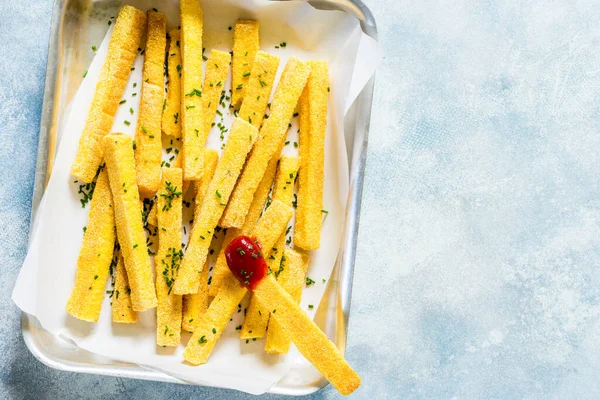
(76, 25)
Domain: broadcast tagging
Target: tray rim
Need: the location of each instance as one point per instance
(347, 254)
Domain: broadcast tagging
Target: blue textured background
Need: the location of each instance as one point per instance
(476, 274)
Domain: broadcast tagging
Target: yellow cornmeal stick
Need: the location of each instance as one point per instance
(152, 218)
(95, 255)
(191, 90)
(313, 124)
(239, 143)
(122, 312)
(245, 46)
(168, 257)
(217, 69)
(292, 278)
(257, 317)
(122, 50)
(221, 270)
(172, 105)
(272, 136)
(213, 322)
(120, 165)
(195, 305)
(258, 88)
(306, 335)
(148, 144)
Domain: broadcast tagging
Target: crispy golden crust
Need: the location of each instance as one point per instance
(313, 125)
(257, 317)
(168, 257)
(221, 270)
(258, 88)
(191, 89)
(217, 69)
(152, 219)
(211, 159)
(272, 135)
(245, 47)
(239, 143)
(148, 151)
(213, 322)
(122, 312)
(291, 277)
(95, 255)
(118, 153)
(195, 305)
(172, 106)
(306, 335)
(122, 50)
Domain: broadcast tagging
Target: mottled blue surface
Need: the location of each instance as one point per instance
(477, 269)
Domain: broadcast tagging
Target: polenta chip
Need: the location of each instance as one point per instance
(313, 125)
(168, 257)
(122, 312)
(191, 85)
(239, 143)
(245, 46)
(95, 255)
(215, 319)
(217, 69)
(172, 104)
(120, 165)
(272, 136)
(122, 50)
(148, 150)
(258, 88)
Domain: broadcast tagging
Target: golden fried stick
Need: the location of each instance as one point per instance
(118, 153)
(168, 257)
(245, 46)
(95, 255)
(221, 270)
(257, 317)
(172, 105)
(258, 88)
(272, 136)
(313, 125)
(217, 69)
(306, 335)
(122, 50)
(239, 143)
(122, 312)
(215, 319)
(148, 150)
(194, 305)
(292, 277)
(191, 90)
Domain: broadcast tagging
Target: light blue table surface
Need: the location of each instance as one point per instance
(477, 268)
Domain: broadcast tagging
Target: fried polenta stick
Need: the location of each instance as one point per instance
(306, 335)
(118, 153)
(272, 136)
(258, 88)
(215, 319)
(194, 305)
(239, 143)
(148, 150)
(122, 50)
(245, 45)
(122, 312)
(258, 204)
(95, 255)
(191, 90)
(313, 125)
(172, 104)
(257, 317)
(217, 69)
(292, 278)
(168, 257)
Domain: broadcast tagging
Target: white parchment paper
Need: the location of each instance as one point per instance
(48, 273)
